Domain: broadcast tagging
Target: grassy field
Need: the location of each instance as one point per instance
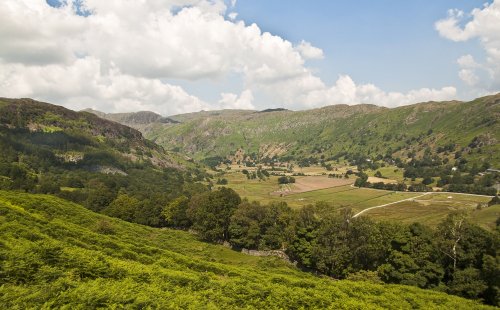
(57, 254)
(429, 209)
(390, 172)
(433, 208)
(338, 196)
(487, 217)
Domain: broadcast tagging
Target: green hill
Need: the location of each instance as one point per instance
(89, 160)
(71, 135)
(470, 128)
(56, 254)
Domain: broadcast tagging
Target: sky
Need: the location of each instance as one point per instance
(178, 56)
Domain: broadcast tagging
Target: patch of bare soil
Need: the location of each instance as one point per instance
(311, 183)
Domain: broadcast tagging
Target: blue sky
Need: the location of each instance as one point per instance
(390, 43)
(177, 56)
(387, 42)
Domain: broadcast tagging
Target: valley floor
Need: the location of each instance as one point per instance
(407, 207)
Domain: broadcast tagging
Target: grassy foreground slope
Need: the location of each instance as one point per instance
(57, 254)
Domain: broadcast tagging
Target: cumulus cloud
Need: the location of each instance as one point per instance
(484, 24)
(233, 101)
(119, 55)
(468, 69)
(346, 91)
(308, 51)
(86, 83)
(232, 15)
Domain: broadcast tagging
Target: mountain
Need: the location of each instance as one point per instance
(89, 160)
(470, 128)
(137, 120)
(57, 254)
(69, 135)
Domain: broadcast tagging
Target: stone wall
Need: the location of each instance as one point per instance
(277, 253)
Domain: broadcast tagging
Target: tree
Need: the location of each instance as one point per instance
(413, 258)
(275, 225)
(99, 196)
(286, 180)
(211, 212)
(303, 239)
(427, 180)
(450, 233)
(245, 229)
(467, 283)
(331, 253)
(122, 207)
(361, 180)
(491, 275)
(175, 213)
(260, 227)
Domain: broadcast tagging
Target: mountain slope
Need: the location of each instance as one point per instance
(137, 120)
(57, 254)
(69, 135)
(89, 160)
(472, 128)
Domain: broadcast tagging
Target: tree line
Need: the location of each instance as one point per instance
(457, 257)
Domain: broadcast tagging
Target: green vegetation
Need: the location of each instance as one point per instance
(286, 180)
(449, 145)
(56, 254)
(467, 129)
(102, 165)
(429, 209)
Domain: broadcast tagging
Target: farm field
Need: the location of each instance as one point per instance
(429, 209)
(311, 183)
(390, 172)
(339, 195)
(486, 217)
(433, 208)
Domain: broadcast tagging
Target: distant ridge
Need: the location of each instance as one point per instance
(470, 129)
(273, 110)
(134, 119)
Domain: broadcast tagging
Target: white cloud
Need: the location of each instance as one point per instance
(308, 51)
(232, 101)
(85, 83)
(468, 76)
(232, 15)
(345, 91)
(468, 69)
(484, 24)
(467, 61)
(119, 57)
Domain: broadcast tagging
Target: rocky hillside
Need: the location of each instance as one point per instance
(448, 129)
(103, 165)
(71, 135)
